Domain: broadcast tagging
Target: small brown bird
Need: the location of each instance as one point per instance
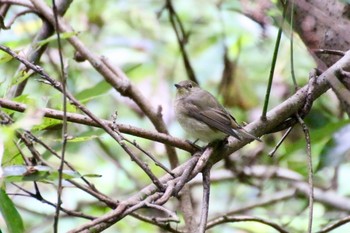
(203, 117)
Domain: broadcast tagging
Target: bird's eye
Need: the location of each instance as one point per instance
(189, 85)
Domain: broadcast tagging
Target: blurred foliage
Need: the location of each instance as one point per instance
(137, 36)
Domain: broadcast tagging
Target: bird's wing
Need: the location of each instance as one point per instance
(214, 118)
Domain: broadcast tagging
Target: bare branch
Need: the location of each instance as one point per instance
(81, 119)
(205, 200)
(231, 219)
(335, 225)
(310, 171)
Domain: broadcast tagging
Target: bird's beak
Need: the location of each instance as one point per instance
(177, 86)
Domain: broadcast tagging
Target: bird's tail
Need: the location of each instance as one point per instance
(244, 134)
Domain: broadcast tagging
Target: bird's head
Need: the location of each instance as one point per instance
(185, 88)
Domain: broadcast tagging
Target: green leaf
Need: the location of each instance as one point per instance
(92, 175)
(4, 57)
(99, 89)
(65, 35)
(20, 77)
(47, 123)
(328, 130)
(9, 212)
(83, 139)
(317, 135)
(19, 173)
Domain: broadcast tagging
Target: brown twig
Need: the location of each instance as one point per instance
(11, 21)
(335, 225)
(164, 226)
(205, 200)
(63, 79)
(271, 153)
(329, 51)
(41, 199)
(310, 171)
(154, 159)
(231, 219)
(181, 37)
(19, 2)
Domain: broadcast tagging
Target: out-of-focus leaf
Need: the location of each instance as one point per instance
(327, 130)
(25, 99)
(83, 139)
(80, 139)
(19, 173)
(11, 155)
(92, 175)
(2, 148)
(316, 119)
(4, 57)
(65, 35)
(336, 149)
(99, 89)
(20, 77)
(9, 212)
(47, 123)
(317, 135)
(31, 118)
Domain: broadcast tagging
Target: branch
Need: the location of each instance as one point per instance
(82, 119)
(335, 225)
(205, 200)
(231, 219)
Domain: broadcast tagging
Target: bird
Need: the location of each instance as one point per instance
(203, 117)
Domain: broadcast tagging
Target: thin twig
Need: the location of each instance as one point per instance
(335, 225)
(158, 163)
(310, 171)
(181, 37)
(231, 219)
(172, 217)
(18, 2)
(271, 153)
(38, 197)
(54, 153)
(329, 51)
(63, 80)
(165, 226)
(12, 21)
(205, 200)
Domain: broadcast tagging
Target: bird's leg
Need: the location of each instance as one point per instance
(195, 145)
(218, 143)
